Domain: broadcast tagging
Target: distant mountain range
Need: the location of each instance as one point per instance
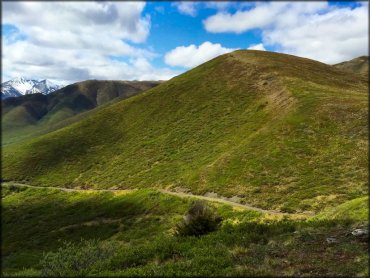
(22, 86)
(41, 113)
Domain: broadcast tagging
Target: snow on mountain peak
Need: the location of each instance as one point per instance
(21, 86)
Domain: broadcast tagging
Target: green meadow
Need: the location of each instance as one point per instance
(50, 232)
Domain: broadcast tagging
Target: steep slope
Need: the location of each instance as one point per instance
(23, 116)
(24, 110)
(358, 65)
(278, 131)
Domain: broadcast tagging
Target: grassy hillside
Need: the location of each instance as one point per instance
(358, 65)
(279, 131)
(136, 231)
(29, 115)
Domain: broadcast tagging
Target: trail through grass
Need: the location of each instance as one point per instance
(178, 194)
(139, 225)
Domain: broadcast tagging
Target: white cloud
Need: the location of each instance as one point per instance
(67, 66)
(257, 47)
(84, 20)
(70, 41)
(309, 29)
(260, 16)
(187, 8)
(241, 21)
(192, 55)
(191, 8)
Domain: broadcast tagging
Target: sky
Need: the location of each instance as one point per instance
(67, 42)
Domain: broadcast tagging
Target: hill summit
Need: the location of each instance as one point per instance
(358, 65)
(261, 126)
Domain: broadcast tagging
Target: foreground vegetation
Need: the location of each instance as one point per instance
(133, 233)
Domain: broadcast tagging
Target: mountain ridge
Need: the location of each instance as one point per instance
(22, 116)
(359, 65)
(21, 86)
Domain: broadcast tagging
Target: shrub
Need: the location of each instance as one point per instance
(76, 259)
(10, 189)
(199, 220)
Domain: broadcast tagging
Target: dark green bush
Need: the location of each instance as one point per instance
(199, 220)
(77, 259)
(10, 189)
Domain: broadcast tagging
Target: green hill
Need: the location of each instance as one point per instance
(279, 131)
(33, 114)
(358, 65)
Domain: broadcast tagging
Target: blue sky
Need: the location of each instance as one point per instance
(171, 28)
(159, 40)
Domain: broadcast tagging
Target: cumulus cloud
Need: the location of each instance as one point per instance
(314, 30)
(82, 20)
(67, 41)
(257, 47)
(192, 55)
(242, 21)
(67, 66)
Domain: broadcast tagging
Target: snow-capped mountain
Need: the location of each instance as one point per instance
(21, 86)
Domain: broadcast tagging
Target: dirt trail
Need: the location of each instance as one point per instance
(233, 204)
(68, 189)
(178, 194)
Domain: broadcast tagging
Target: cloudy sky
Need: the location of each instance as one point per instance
(73, 41)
